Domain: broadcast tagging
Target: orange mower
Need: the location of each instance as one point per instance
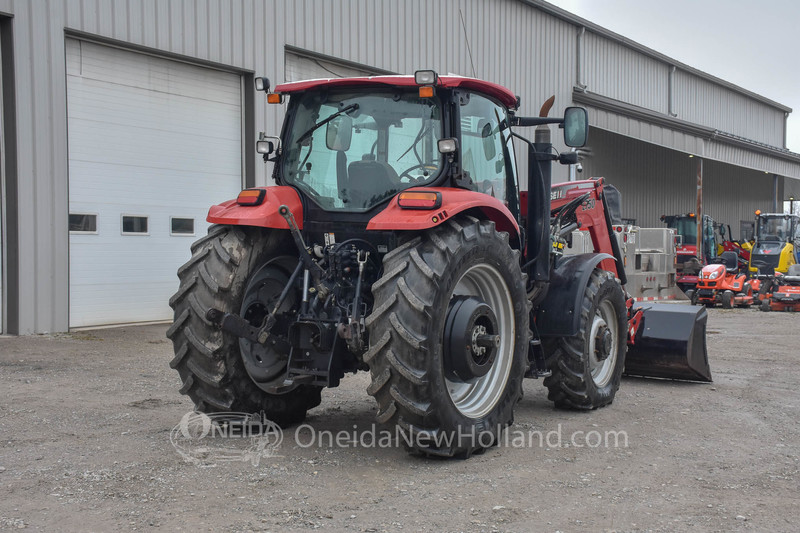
(781, 292)
(720, 282)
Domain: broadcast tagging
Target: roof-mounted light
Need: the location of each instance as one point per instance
(274, 98)
(425, 77)
(758, 212)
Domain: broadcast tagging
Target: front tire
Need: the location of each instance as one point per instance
(727, 300)
(587, 368)
(226, 267)
(421, 376)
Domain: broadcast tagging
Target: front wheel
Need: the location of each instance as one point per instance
(692, 295)
(727, 300)
(449, 337)
(587, 368)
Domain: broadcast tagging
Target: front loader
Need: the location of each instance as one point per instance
(395, 241)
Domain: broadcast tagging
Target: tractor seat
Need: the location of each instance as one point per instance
(792, 276)
(370, 181)
(730, 260)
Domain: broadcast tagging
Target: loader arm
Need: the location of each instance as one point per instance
(592, 215)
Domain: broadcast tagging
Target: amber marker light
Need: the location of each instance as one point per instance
(426, 91)
(274, 98)
(251, 197)
(758, 212)
(419, 200)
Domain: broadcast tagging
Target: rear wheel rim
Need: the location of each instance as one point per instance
(602, 368)
(266, 363)
(477, 397)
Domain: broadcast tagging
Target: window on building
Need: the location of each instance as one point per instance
(82, 223)
(181, 226)
(134, 225)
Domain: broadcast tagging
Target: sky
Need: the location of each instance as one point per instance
(752, 44)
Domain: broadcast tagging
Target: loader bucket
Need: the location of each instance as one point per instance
(670, 343)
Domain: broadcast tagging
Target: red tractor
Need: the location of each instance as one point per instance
(394, 241)
(690, 260)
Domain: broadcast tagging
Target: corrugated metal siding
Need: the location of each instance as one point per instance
(732, 194)
(644, 131)
(791, 187)
(700, 101)
(756, 161)
(537, 54)
(655, 181)
(511, 43)
(616, 71)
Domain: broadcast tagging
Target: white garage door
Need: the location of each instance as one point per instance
(152, 144)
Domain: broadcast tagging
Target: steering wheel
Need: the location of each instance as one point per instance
(406, 174)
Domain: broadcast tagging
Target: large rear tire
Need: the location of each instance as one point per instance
(587, 368)
(228, 267)
(415, 359)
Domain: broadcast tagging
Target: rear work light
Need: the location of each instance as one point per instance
(419, 200)
(251, 197)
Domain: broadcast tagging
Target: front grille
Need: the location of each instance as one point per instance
(771, 260)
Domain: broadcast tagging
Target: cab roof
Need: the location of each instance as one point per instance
(505, 96)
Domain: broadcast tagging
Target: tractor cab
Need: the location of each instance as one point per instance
(777, 241)
(689, 262)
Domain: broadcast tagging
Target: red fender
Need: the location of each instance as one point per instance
(264, 215)
(454, 201)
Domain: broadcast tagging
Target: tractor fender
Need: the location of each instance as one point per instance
(264, 215)
(454, 201)
(558, 314)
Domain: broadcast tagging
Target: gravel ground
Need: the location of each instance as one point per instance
(85, 422)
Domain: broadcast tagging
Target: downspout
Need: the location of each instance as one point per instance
(671, 92)
(579, 85)
(775, 193)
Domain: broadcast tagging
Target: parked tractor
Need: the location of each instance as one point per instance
(394, 241)
(721, 282)
(690, 260)
(777, 244)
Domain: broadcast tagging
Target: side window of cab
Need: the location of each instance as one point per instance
(484, 132)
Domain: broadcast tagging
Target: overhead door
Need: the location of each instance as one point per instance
(152, 144)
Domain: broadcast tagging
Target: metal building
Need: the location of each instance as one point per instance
(123, 120)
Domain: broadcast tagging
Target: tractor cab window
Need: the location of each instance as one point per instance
(686, 227)
(774, 229)
(486, 148)
(352, 150)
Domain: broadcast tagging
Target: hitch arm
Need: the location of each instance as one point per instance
(305, 257)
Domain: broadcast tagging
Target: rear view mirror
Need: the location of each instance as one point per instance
(339, 133)
(576, 126)
(489, 148)
(268, 145)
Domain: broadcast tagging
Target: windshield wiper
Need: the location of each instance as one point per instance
(315, 127)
